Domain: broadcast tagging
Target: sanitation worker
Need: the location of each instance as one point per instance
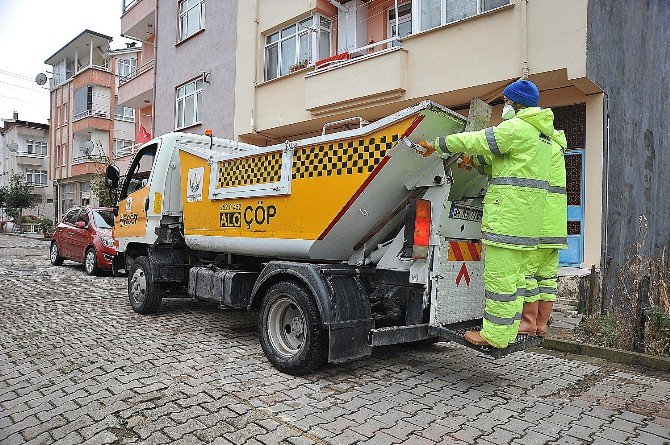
(542, 267)
(519, 153)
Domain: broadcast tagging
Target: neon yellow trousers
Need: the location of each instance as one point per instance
(504, 282)
(541, 275)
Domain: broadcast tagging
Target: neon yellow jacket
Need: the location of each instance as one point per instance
(519, 150)
(555, 224)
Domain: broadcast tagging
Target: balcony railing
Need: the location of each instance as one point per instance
(141, 70)
(93, 158)
(127, 4)
(96, 112)
(56, 81)
(128, 150)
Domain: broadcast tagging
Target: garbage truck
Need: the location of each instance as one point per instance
(341, 242)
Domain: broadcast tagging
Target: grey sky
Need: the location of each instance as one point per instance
(31, 31)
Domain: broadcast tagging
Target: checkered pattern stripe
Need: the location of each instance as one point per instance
(252, 170)
(341, 158)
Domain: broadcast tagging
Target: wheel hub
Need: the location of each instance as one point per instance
(286, 327)
(138, 286)
(90, 260)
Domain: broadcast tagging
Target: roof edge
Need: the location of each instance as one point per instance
(86, 31)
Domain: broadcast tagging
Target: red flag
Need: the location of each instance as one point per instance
(142, 136)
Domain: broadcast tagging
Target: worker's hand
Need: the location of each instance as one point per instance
(430, 149)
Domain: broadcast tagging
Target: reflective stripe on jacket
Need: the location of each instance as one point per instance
(554, 231)
(519, 152)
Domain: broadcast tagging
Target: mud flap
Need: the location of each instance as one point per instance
(455, 333)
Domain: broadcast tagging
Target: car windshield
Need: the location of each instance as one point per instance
(103, 219)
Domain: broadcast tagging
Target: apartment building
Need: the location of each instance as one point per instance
(266, 71)
(136, 80)
(317, 61)
(24, 150)
(84, 107)
(194, 66)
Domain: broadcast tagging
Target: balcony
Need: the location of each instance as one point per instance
(136, 89)
(84, 165)
(97, 117)
(138, 19)
(323, 88)
(30, 159)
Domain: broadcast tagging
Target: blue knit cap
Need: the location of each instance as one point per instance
(523, 92)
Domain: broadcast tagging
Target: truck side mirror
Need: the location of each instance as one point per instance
(112, 175)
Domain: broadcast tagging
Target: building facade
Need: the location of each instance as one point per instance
(136, 82)
(195, 66)
(87, 123)
(25, 151)
(444, 50)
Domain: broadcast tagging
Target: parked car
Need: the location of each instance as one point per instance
(85, 236)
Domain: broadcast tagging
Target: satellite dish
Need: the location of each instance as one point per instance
(87, 147)
(13, 147)
(41, 79)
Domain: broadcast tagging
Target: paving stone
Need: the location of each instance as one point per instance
(74, 370)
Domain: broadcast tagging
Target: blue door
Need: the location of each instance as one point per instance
(574, 169)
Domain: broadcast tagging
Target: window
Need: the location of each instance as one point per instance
(189, 104)
(126, 67)
(36, 177)
(433, 13)
(83, 102)
(103, 219)
(191, 17)
(64, 155)
(38, 148)
(123, 113)
(297, 46)
(404, 22)
(71, 216)
(139, 171)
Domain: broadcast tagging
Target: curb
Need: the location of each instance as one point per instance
(615, 355)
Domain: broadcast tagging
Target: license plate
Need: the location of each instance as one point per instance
(465, 213)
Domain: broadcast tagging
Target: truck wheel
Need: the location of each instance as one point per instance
(54, 255)
(290, 330)
(91, 262)
(145, 295)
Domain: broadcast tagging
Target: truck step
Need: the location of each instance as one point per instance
(456, 332)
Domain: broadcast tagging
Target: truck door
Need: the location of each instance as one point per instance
(134, 198)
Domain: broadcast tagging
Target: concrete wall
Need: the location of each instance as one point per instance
(211, 50)
(630, 59)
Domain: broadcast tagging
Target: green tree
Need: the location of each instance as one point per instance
(97, 184)
(3, 197)
(19, 196)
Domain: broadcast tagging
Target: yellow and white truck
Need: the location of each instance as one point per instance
(343, 242)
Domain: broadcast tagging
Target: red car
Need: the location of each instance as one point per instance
(85, 236)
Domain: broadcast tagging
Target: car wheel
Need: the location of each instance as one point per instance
(290, 328)
(91, 262)
(54, 255)
(145, 295)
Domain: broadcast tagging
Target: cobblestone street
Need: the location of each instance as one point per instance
(77, 365)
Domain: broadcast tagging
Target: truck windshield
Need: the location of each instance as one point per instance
(138, 176)
(103, 219)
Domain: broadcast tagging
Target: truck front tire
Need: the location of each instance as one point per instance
(290, 330)
(144, 294)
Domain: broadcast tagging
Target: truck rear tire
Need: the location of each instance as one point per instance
(290, 330)
(144, 294)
